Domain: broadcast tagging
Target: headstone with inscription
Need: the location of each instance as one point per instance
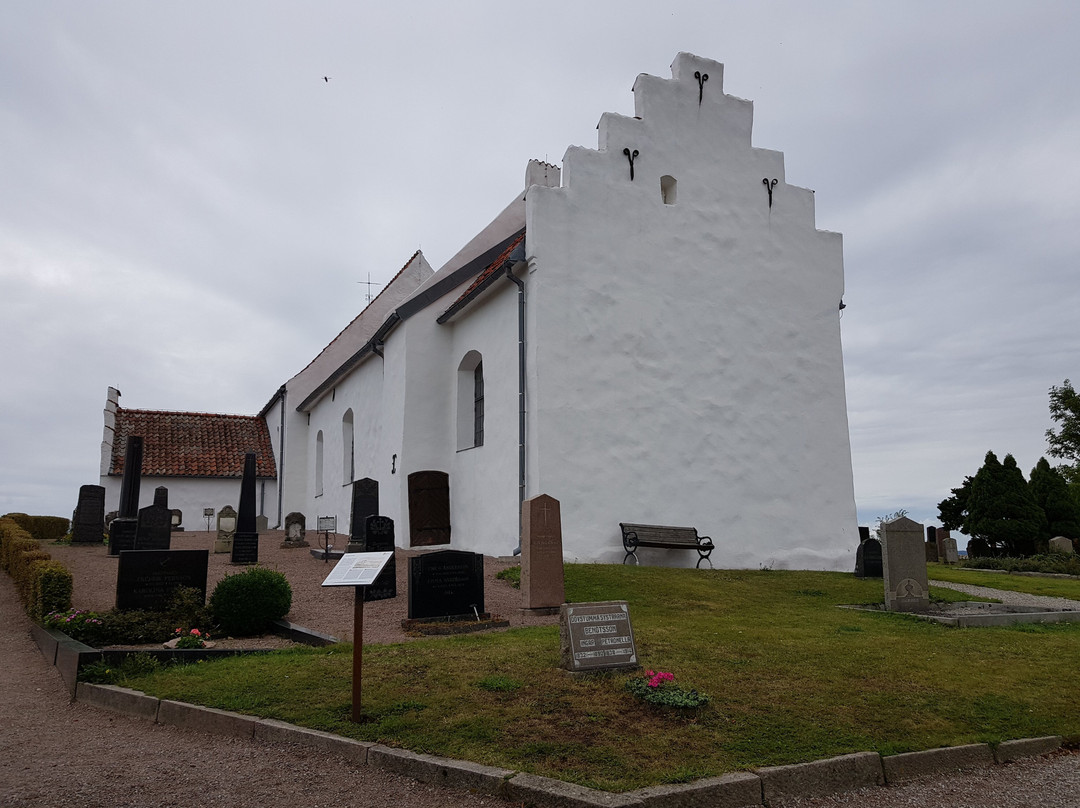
(931, 551)
(125, 527)
(295, 530)
(868, 559)
(245, 549)
(596, 636)
(365, 503)
(1061, 544)
(155, 528)
(903, 548)
(88, 523)
(226, 529)
(864, 533)
(952, 555)
(146, 579)
(262, 523)
(379, 532)
(939, 536)
(446, 583)
(542, 584)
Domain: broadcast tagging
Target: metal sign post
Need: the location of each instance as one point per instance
(358, 570)
(208, 513)
(326, 526)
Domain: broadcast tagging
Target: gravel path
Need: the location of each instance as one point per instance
(54, 752)
(1011, 598)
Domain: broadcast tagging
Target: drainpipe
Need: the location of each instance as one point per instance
(521, 395)
(281, 462)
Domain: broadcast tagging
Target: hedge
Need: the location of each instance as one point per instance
(42, 528)
(43, 585)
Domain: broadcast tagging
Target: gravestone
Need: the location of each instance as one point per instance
(262, 523)
(596, 636)
(161, 496)
(940, 534)
(124, 528)
(541, 554)
(226, 529)
(1060, 544)
(245, 549)
(931, 551)
(88, 523)
(177, 519)
(146, 579)
(155, 528)
(952, 556)
(365, 503)
(446, 583)
(295, 530)
(907, 588)
(868, 559)
(379, 533)
(864, 533)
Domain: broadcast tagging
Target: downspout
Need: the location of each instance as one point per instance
(281, 462)
(521, 395)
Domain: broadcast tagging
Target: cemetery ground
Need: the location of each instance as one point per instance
(791, 678)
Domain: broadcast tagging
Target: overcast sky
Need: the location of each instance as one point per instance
(189, 212)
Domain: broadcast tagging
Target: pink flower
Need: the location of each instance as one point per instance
(195, 632)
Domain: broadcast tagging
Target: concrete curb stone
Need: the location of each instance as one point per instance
(206, 719)
(1008, 751)
(909, 765)
(270, 729)
(544, 791)
(821, 777)
(440, 770)
(119, 700)
(735, 790)
(46, 641)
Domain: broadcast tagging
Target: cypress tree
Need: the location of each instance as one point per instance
(1051, 493)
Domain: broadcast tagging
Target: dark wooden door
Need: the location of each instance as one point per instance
(429, 508)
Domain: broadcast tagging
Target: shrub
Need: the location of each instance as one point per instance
(659, 688)
(50, 589)
(246, 603)
(42, 528)
(1052, 562)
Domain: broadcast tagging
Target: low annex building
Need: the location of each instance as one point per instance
(650, 334)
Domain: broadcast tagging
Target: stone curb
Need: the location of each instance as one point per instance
(205, 719)
(119, 700)
(440, 770)
(535, 790)
(910, 765)
(821, 777)
(1008, 751)
(735, 790)
(46, 641)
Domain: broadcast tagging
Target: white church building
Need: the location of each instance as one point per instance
(650, 334)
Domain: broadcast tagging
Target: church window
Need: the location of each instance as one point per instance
(319, 464)
(348, 444)
(668, 189)
(470, 401)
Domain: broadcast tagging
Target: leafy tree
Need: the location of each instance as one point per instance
(996, 506)
(1051, 493)
(1065, 443)
(953, 510)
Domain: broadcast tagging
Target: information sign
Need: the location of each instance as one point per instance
(358, 569)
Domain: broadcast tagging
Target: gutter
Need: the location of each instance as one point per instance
(521, 394)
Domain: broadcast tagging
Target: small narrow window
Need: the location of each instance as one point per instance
(667, 189)
(348, 445)
(319, 464)
(470, 401)
(478, 405)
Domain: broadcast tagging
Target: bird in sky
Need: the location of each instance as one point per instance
(326, 79)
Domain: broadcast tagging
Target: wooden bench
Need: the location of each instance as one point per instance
(665, 537)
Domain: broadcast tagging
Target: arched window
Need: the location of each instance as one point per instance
(470, 401)
(668, 186)
(348, 444)
(318, 464)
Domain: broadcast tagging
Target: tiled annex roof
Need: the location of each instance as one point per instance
(193, 444)
(485, 278)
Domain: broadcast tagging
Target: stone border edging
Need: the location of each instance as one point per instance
(734, 790)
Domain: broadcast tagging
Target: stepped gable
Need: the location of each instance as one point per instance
(193, 444)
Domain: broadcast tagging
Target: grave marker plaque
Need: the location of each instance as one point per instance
(125, 527)
(868, 559)
(88, 524)
(146, 579)
(295, 530)
(379, 533)
(226, 529)
(447, 583)
(245, 549)
(541, 553)
(952, 555)
(907, 588)
(596, 636)
(365, 503)
(155, 527)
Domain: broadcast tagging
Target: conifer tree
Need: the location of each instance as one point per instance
(997, 507)
(1051, 493)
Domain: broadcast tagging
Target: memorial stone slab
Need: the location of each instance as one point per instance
(542, 584)
(952, 555)
(365, 503)
(161, 496)
(177, 522)
(379, 533)
(596, 636)
(226, 529)
(146, 579)
(864, 533)
(155, 527)
(1060, 544)
(446, 583)
(262, 523)
(868, 559)
(295, 530)
(931, 551)
(245, 549)
(123, 531)
(903, 548)
(122, 536)
(940, 534)
(88, 523)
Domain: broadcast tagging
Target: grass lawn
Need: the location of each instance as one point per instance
(1032, 585)
(792, 678)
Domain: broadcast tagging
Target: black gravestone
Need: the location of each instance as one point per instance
(88, 524)
(379, 531)
(864, 533)
(125, 527)
(245, 548)
(447, 583)
(161, 496)
(146, 579)
(155, 528)
(868, 560)
(365, 503)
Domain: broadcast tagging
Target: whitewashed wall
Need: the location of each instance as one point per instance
(192, 495)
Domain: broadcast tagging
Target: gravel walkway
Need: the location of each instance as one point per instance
(1011, 598)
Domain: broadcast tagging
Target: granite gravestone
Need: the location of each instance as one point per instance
(864, 533)
(365, 503)
(1061, 544)
(125, 527)
(177, 522)
(295, 530)
(907, 588)
(226, 529)
(146, 579)
(952, 556)
(88, 523)
(541, 554)
(868, 559)
(262, 523)
(379, 533)
(245, 549)
(446, 583)
(155, 528)
(596, 636)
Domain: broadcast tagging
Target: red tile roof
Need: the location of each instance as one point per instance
(485, 278)
(193, 444)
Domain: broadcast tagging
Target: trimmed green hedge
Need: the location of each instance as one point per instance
(42, 528)
(43, 585)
